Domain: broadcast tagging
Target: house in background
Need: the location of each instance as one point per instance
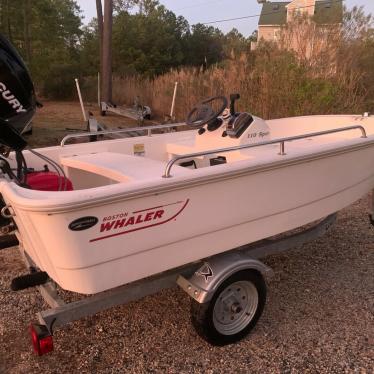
(275, 15)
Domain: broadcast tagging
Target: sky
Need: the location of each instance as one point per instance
(196, 11)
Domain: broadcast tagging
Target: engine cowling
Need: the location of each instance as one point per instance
(17, 96)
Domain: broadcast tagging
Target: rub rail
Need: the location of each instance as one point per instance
(281, 141)
(149, 130)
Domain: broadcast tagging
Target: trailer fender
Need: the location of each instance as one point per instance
(202, 285)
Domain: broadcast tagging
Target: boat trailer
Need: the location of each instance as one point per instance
(203, 281)
(138, 112)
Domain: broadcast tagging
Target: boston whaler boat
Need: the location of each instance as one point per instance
(122, 210)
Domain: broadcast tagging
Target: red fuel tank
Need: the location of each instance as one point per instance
(48, 181)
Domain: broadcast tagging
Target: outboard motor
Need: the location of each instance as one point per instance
(17, 97)
(17, 108)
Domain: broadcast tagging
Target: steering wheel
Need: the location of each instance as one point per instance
(203, 113)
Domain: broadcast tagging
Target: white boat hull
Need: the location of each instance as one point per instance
(179, 221)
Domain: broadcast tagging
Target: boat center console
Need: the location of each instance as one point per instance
(219, 130)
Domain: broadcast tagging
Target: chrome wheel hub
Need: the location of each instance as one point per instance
(235, 307)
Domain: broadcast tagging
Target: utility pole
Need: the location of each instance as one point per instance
(107, 51)
(100, 22)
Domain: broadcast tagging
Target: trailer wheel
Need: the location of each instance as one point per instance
(103, 113)
(233, 311)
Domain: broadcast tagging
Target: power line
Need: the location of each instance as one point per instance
(267, 14)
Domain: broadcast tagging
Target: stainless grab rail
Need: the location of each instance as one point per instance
(122, 131)
(281, 141)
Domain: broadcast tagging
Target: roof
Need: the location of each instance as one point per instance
(274, 13)
(326, 12)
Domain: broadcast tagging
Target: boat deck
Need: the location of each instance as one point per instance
(119, 167)
(113, 166)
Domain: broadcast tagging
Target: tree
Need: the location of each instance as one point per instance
(47, 34)
(27, 22)
(204, 46)
(234, 43)
(90, 50)
(124, 5)
(150, 42)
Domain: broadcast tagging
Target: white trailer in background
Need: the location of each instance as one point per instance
(138, 112)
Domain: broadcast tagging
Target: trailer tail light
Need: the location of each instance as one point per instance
(42, 339)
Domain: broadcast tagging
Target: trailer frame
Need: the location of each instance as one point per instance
(139, 114)
(247, 256)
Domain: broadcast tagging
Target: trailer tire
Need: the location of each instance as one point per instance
(226, 320)
(103, 113)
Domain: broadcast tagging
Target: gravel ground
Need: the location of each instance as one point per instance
(318, 319)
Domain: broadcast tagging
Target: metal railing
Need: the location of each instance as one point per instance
(149, 130)
(281, 142)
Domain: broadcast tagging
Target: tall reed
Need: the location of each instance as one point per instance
(272, 84)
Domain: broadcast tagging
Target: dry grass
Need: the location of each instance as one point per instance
(272, 84)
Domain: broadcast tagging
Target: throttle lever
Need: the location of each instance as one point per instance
(233, 98)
